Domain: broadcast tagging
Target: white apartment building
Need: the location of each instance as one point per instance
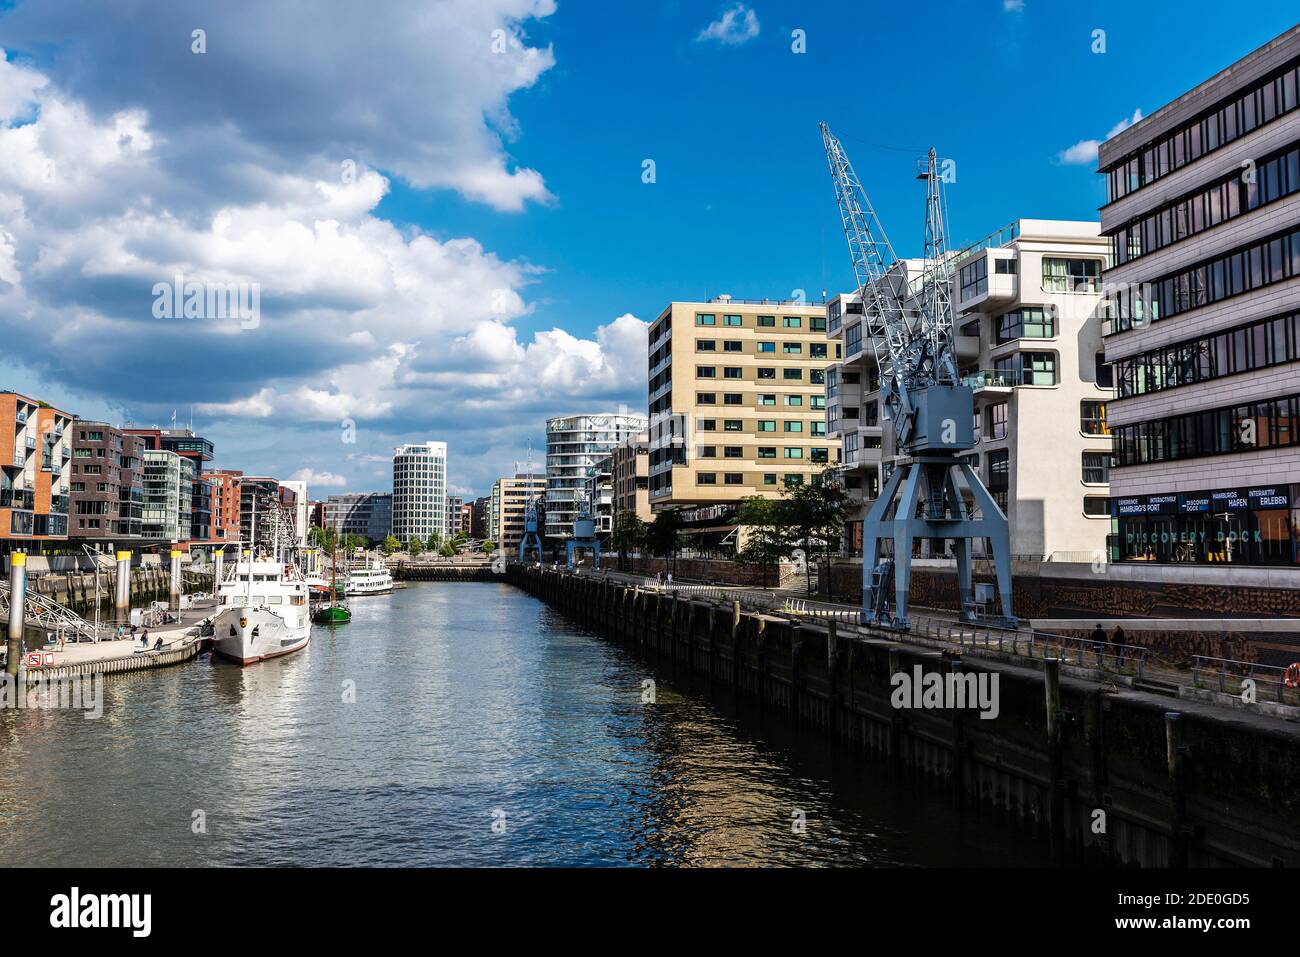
(1203, 213)
(574, 444)
(302, 510)
(420, 491)
(1027, 327)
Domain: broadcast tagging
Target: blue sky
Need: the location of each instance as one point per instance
(496, 253)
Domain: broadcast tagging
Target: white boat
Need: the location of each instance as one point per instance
(264, 612)
(370, 579)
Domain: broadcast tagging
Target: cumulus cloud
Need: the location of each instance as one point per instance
(738, 24)
(131, 162)
(314, 478)
(1084, 152)
(1013, 6)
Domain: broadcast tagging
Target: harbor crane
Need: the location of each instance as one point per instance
(532, 539)
(929, 409)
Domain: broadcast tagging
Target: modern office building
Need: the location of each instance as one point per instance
(737, 401)
(1203, 216)
(168, 489)
(454, 519)
(509, 501)
(629, 467)
(480, 520)
(301, 508)
(107, 484)
(1027, 330)
(198, 451)
(35, 448)
(420, 491)
(574, 443)
(368, 514)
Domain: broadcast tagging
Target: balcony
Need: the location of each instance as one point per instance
(31, 442)
(23, 498)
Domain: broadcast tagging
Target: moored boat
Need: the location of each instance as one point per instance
(373, 578)
(264, 612)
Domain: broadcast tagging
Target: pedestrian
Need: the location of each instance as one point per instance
(1098, 636)
(670, 579)
(157, 646)
(120, 632)
(144, 638)
(1118, 639)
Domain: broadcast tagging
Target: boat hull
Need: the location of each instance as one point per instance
(249, 635)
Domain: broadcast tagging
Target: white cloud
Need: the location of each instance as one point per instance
(131, 164)
(738, 24)
(1013, 6)
(314, 478)
(1084, 152)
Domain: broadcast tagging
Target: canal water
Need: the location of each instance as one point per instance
(455, 724)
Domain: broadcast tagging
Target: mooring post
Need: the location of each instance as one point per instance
(1174, 751)
(1056, 792)
(174, 588)
(122, 587)
(17, 604)
(218, 569)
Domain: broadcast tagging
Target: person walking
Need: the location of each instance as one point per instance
(1118, 639)
(144, 638)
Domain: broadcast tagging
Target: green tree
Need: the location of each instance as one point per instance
(767, 541)
(664, 535)
(489, 546)
(415, 545)
(391, 544)
(448, 549)
(814, 518)
(628, 536)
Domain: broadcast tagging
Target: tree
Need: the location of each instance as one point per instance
(628, 536)
(814, 517)
(391, 544)
(767, 540)
(489, 546)
(664, 534)
(415, 546)
(448, 550)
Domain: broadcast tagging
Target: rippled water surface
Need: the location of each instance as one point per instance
(486, 729)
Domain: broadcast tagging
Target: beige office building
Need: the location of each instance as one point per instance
(737, 400)
(510, 498)
(1027, 321)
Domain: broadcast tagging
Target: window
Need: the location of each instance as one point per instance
(794, 400)
(793, 425)
(817, 376)
(767, 398)
(705, 345)
(974, 278)
(705, 320)
(708, 425)
(731, 372)
(733, 451)
(767, 347)
(1096, 468)
(997, 421)
(817, 323)
(733, 398)
(767, 451)
(731, 425)
(1026, 323)
(706, 398)
(708, 451)
(731, 345)
(735, 478)
(1096, 506)
(767, 425)
(791, 322)
(818, 428)
(792, 374)
(820, 456)
(853, 339)
(767, 373)
(767, 322)
(769, 478)
(793, 452)
(793, 479)
(792, 348)
(1102, 372)
(706, 478)
(817, 350)
(1004, 267)
(1071, 275)
(817, 401)
(706, 372)
(1092, 417)
(1027, 368)
(731, 320)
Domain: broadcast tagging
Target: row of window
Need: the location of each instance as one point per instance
(1028, 322)
(765, 398)
(764, 452)
(1274, 177)
(1238, 428)
(738, 478)
(1240, 526)
(762, 372)
(1256, 345)
(1059, 275)
(1251, 267)
(815, 323)
(1260, 104)
(816, 350)
(762, 425)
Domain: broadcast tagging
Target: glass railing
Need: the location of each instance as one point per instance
(1006, 378)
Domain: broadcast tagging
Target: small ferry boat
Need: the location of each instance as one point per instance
(264, 612)
(369, 579)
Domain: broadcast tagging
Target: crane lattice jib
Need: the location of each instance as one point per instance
(872, 255)
(936, 290)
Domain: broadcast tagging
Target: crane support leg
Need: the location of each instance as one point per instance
(999, 536)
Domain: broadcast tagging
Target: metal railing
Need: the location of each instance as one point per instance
(1229, 676)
